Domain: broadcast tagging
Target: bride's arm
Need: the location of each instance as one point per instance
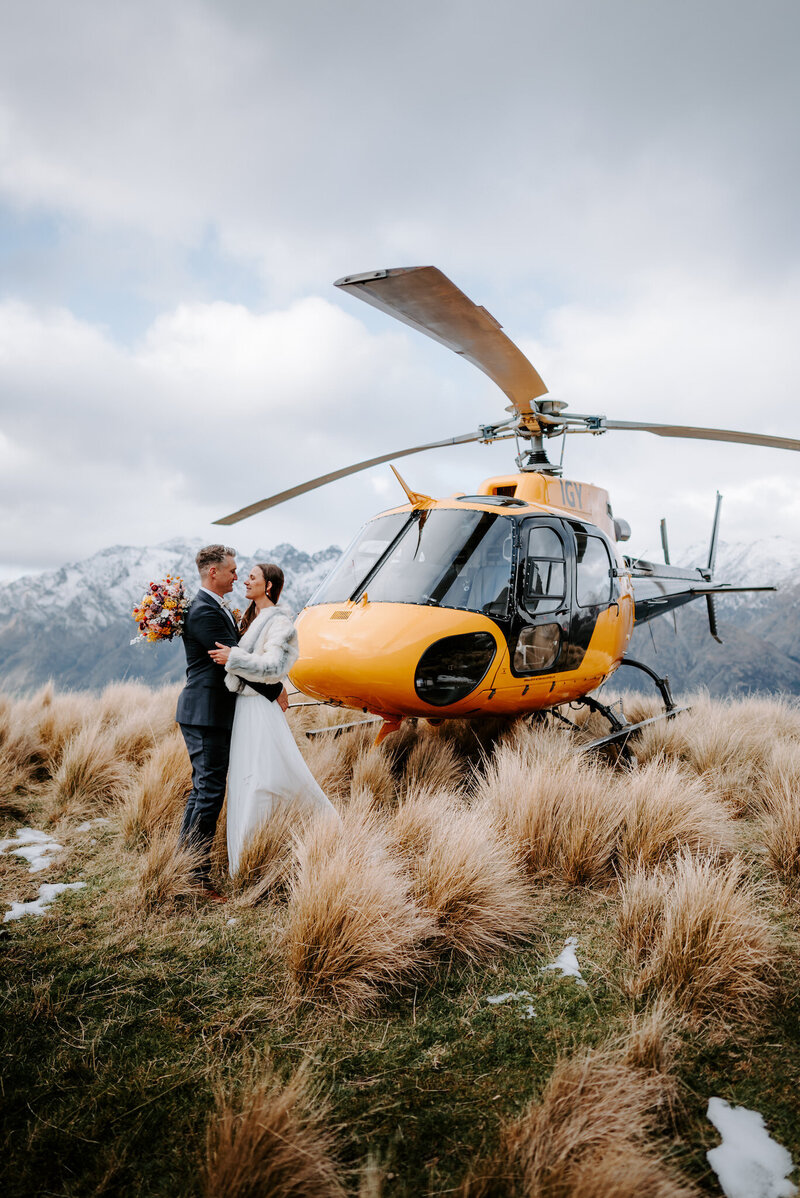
(273, 658)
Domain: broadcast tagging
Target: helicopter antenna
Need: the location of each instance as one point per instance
(664, 541)
(414, 497)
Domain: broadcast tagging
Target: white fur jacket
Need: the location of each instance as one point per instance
(266, 652)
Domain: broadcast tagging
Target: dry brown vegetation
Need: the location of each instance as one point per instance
(561, 816)
(695, 930)
(592, 1132)
(270, 1139)
(464, 874)
(267, 857)
(462, 852)
(156, 794)
(353, 928)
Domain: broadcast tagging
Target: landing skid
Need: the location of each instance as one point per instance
(621, 729)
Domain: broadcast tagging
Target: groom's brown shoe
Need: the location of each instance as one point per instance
(210, 895)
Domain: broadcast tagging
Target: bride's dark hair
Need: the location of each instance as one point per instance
(273, 580)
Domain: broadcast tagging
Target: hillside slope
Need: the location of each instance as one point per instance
(73, 625)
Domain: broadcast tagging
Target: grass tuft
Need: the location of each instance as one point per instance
(666, 810)
(465, 875)
(157, 792)
(165, 875)
(89, 778)
(693, 932)
(269, 1139)
(353, 930)
(561, 814)
(590, 1134)
(266, 860)
(433, 765)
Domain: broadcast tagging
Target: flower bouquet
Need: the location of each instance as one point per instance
(160, 612)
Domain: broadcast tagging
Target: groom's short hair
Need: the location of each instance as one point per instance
(212, 555)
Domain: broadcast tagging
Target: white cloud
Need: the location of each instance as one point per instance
(616, 183)
(220, 406)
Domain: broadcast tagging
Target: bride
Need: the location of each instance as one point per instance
(266, 766)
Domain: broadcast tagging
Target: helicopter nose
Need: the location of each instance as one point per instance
(387, 657)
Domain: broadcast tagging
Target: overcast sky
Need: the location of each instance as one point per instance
(181, 183)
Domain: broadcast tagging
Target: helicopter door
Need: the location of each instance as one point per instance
(540, 634)
(595, 588)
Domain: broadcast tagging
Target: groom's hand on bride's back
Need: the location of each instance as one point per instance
(283, 699)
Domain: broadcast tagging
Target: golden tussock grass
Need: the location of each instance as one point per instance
(652, 1040)
(372, 772)
(32, 734)
(89, 777)
(465, 875)
(433, 765)
(780, 818)
(164, 876)
(561, 815)
(667, 809)
(269, 1139)
(58, 721)
(326, 759)
(729, 744)
(590, 1134)
(693, 932)
(156, 794)
(267, 857)
(139, 717)
(218, 855)
(353, 928)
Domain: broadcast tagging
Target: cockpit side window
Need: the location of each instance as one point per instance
(595, 579)
(545, 571)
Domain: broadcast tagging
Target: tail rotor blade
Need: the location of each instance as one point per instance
(712, 549)
(712, 618)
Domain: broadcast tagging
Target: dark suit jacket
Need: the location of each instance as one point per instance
(205, 699)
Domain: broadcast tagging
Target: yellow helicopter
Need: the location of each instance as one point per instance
(511, 600)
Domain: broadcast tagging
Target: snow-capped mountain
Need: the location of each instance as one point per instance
(104, 587)
(758, 563)
(74, 624)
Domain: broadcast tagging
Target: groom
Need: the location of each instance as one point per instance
(205, 706)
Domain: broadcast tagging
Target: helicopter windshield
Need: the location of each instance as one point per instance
(448, 558)
(359, 558)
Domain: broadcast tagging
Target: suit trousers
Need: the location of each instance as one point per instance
(209, 750)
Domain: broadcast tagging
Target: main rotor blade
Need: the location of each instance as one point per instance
(282, 496)
(704, 434)
(423, 297)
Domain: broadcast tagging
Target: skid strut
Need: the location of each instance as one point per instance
(621, 729)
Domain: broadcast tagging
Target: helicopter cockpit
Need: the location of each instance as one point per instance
(446, 557)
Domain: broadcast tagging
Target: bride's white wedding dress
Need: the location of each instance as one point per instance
(266, 766)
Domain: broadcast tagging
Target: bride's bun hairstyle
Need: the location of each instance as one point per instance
(273, 581)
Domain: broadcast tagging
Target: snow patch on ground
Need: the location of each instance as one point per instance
(567, 962)
(48, 891)
(34, 846)
(748, 1162)
(91, 823)
(515, 996)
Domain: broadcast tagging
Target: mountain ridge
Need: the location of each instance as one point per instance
(73, 624)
